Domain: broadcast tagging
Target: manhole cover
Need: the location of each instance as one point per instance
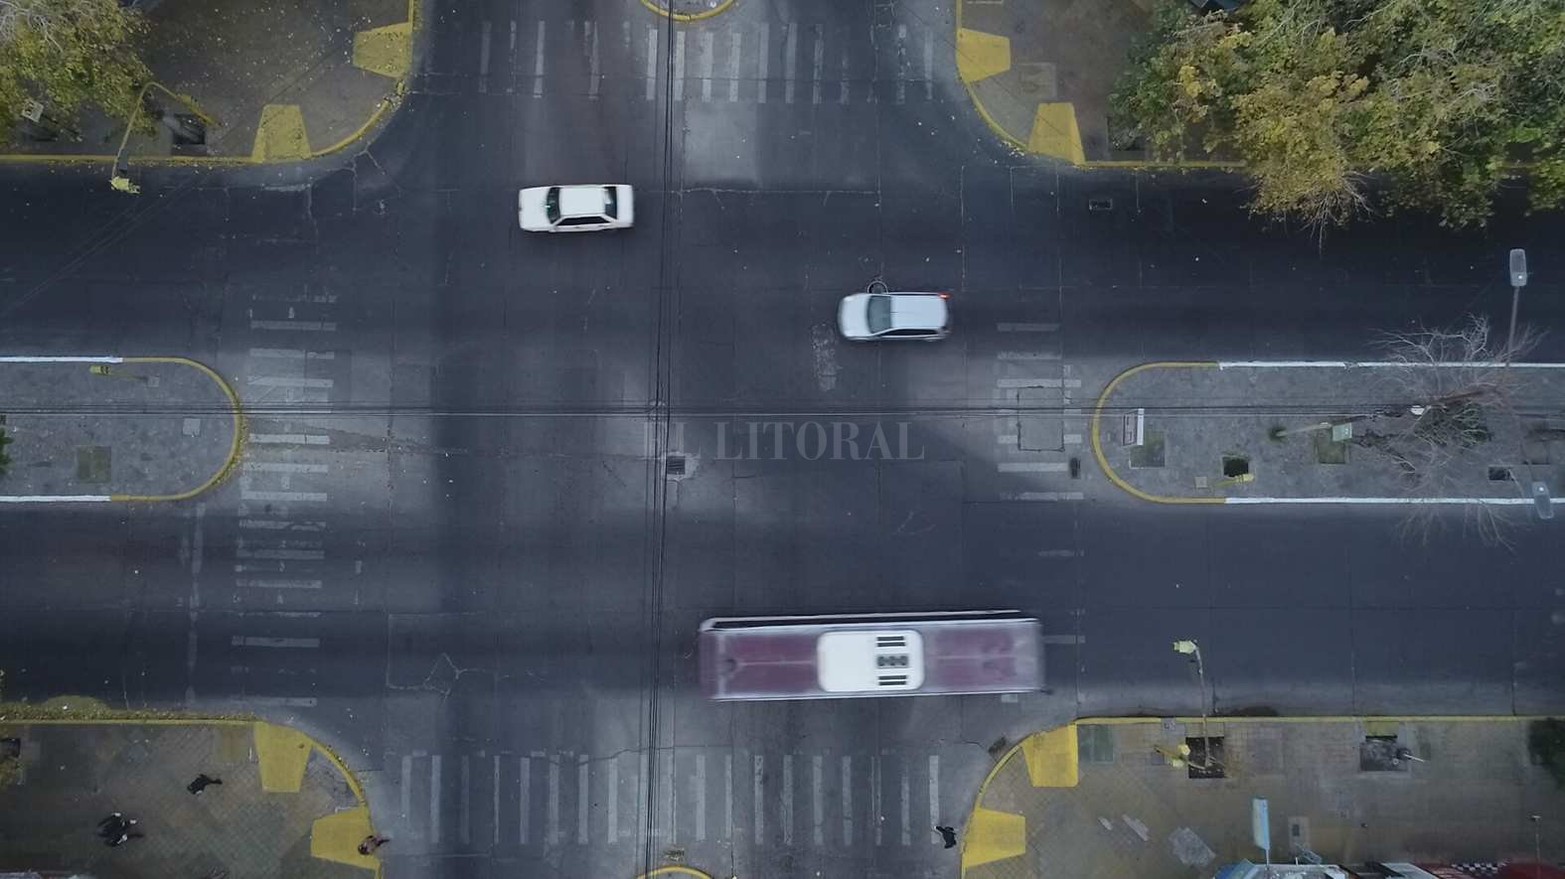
(674, 465)
(1100, 204)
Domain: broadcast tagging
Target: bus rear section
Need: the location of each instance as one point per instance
(849, 656)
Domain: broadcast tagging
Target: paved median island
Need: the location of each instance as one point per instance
(1335, 432)
(273, 802)
(1102, 798)
(100, 429)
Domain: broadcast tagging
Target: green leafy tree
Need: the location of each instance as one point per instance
(1440, 98)
(69, 55)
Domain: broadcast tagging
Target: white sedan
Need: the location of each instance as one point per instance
(881, 315)
(582, 207)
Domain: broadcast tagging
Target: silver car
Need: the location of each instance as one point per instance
(883, 315)
(583, 207)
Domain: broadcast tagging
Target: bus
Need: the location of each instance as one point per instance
(848, 656)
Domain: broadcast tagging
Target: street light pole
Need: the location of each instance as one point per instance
(1518, 281)
(1190, 648)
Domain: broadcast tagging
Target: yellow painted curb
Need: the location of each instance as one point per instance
(235, 446)
(280, 135)
(981, 55)
(685, 17)
(336, 838)
(387, 50)
(1052, 757)
(1054, 133)
(993, 836)
(282, 752)
(676, 871)
(1097, 431)
(1324, 718)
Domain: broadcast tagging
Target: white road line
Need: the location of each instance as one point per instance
(708, 58)
(465, 816)
(308, 326)
(759, 804)
(278, 584)
(1073, 439)
(679, 66)
(1007, 439)
(613, 799)
(1027, 355)
(1027, 328)
(551, 835)
(282, 467)
(934, 797)
(583, 799)
(595, 78)
(1010, 383)
(303, 497)
(288, 381)
(929, 66)
(790, 61)
(877, 816)
(698, 787)
(734, 40)
(670, 823)
(652, 63)
(494, 805)
(292, 354)
(510, 81)
(847, 800)
(643, 785)
(1047, 496)
(817, 803)
(292, 439)
(907, 807)
(1033, 467)
(787, 803)
(1057, 553)
(901, 63)
(763, 62)
(483, 58)
(293, 554)
(819, 61)
(524, 796)
(407, 785)
(842, 93)
(434, 799)
(275, 643)
(538, 64)
(728, 796)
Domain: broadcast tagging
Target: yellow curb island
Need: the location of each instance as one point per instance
(686, 17)
(235, 447)
(1096, 430)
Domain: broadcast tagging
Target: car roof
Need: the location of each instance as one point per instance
(582, 201)
(921, 310)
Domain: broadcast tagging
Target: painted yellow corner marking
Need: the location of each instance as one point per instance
(336, 837)
(1054, 133)
(235, 445)
(282, 753)
(1097, 431)
(280, 136)
(387, 50)
(1052, 757)
(992, 836)
(676, 870)
(685, 17)
(980, 55)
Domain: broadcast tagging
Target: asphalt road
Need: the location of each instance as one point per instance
(453, 550)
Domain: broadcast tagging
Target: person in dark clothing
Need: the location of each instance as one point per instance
(201, 782)
(371, 843)
(112, 825)
(948, 834)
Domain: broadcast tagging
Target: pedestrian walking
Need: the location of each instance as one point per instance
(948, 834)
(201, 782)
(112, 825)
(371, 843)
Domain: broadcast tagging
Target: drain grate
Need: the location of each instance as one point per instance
(674, 465)
(1100, 204)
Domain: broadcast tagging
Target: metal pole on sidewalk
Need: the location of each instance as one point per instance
(1518, 281)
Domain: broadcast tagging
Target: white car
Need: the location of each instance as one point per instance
(881, 315)
(581, 207)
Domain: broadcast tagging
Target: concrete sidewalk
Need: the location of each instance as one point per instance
(1096, 799)
(1323, 432)
(286, 807)
(277, 81)
(98, 429)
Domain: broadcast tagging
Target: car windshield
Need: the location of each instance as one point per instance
(878, 314)
(611, 202)
(551, 204)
